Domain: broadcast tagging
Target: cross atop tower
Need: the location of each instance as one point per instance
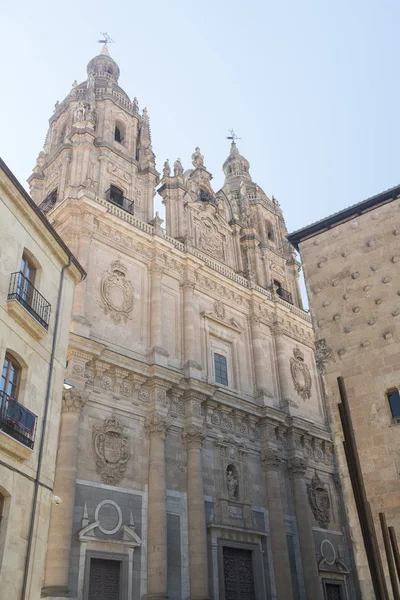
(106, 39)
(233, 136)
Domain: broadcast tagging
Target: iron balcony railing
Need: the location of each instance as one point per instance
(119, 200)
(17, 421)
(21, 289)
(285, 295)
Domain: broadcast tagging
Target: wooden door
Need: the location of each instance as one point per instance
(238, 574)
(104, 579)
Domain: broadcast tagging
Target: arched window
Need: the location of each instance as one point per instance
(119, 133)
(10, 378)
(269, 231)
(62, 134)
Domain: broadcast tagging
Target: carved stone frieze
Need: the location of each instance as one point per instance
(111, 451)
(319, 501)
(300, 374)
(117, 293)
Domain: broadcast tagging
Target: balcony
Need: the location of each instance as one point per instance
(284, 294)
(115, 196)
(18, 423)
(23, 297)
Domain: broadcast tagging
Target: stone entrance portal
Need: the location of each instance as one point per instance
(104, 579)
(238, 574)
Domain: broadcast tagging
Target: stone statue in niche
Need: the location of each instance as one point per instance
(117, 293)
(232, 484)
(319, 501)
(300, 374)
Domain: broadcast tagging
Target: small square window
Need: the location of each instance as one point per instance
(221, 370)
(394, 403)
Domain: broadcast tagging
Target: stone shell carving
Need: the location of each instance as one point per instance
(300, 374)
(117, 294)
(111, 451)
(319, 501)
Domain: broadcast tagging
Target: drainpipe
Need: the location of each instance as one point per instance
(42, 437)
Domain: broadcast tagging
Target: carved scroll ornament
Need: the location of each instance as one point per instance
(117, 293)
(319, 501)
(300, 374)
(111, 451)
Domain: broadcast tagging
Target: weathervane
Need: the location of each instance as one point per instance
(233, 136)
(106, 39)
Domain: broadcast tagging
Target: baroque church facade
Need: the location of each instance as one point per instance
(195, 458)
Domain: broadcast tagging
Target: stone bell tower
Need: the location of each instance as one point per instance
(238, 225)
(98, 144)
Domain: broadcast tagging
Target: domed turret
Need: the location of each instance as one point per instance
(103, 66)
(236, 165)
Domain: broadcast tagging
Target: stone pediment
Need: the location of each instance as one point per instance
(230, 324)
(129, 536)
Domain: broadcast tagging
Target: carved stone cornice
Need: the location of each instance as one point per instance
(193, 437)
(157, 425)
(73, 401)
(298, 466)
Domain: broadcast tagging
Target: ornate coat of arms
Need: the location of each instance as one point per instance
(319, 501)
(300, 374)
(117, 293)
(111, 451)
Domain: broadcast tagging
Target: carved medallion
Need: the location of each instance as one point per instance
(319, 501)
(111, 451)
(219, 309)
(300, 374)
(117, 293)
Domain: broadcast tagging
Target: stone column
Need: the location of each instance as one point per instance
(276, 517)
(198, 558)
(283, 363)
(61, 520)
(155, 308)
(190, 321)
(298, 467)
(258, 356)
(157, 426)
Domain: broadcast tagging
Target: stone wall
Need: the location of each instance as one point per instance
(352, 278)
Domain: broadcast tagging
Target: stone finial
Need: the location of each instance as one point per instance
(75, 84)
(197, 159)
(135, 105)
(178, 169)
(166, 169)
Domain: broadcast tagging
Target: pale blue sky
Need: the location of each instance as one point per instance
(311, 87)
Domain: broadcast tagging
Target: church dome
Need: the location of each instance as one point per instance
(236, 165)
(103, 66)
